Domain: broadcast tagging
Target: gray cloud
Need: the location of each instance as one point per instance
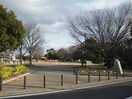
(52, 15)
(44, 11)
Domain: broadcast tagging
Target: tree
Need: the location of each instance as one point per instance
(33, 38)
(21, 52)
(126, 51)
(108, 27)
(11, 30)
(92, 55)
(38, 52)
(71, 50)
(84, 52)
(51, 54)
(63, 55)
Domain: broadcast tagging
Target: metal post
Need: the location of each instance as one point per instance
(24, 87)
(61, 79)
(99, 76)
(108, 75)
(76, 78)
(44, 81)
(88, 77)
(0, 83)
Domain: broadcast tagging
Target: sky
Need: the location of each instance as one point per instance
(52, 16)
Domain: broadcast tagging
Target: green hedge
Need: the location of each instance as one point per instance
(7, 71)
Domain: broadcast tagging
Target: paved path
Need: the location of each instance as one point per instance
(114, 91)
(53, 68)
(53, 82)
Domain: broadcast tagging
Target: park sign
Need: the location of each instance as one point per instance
(118, 67)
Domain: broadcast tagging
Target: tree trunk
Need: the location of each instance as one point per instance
(30, 58)
(20, 54)
(109, 63)
(21, 58)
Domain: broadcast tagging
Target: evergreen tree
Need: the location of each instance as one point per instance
(11, 30)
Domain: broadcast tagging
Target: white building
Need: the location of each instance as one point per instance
(8, 56)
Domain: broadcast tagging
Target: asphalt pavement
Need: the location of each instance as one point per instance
(113, 91)
(35, 84)
(53, 68)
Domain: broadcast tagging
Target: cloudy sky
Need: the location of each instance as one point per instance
(52, 16)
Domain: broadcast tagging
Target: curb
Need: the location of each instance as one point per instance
(51, 92)
(14, 78)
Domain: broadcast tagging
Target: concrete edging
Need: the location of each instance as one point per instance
(14, 78)
(65, 90)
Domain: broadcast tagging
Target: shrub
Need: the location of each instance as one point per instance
(83, 70)
(20, 69)
(1, 64)
(6, 71)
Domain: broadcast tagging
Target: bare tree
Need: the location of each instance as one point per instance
(109, 27)
(33, 38)
(38, 52)
(63, 54)
(126, 52)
